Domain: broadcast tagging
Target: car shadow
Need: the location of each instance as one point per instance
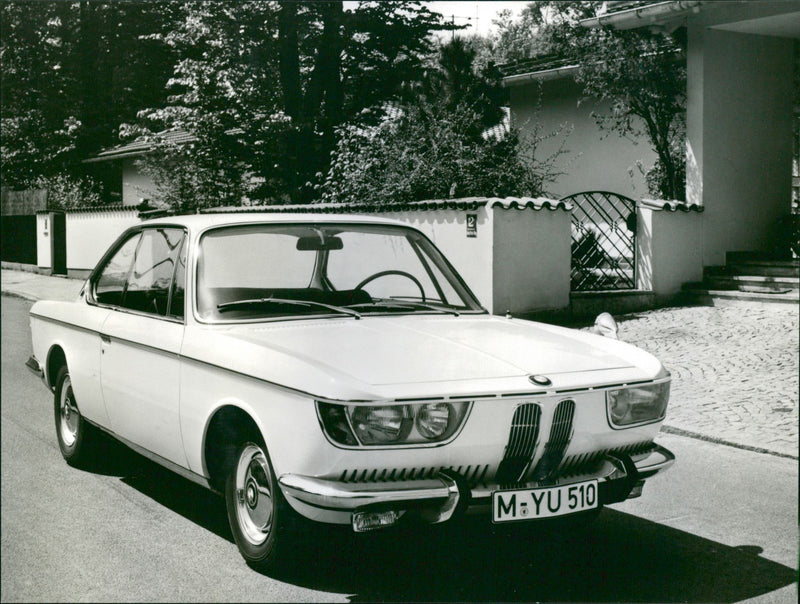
(620, 558)
(180, 495)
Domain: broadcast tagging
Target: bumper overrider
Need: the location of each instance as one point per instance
(438, 499)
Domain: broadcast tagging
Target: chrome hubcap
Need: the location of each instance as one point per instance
(254, 500)
(70, 415)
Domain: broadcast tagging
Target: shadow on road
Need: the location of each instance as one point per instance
(182, 496)
(622, 558)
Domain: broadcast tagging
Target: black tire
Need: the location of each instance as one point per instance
(75, 435)
(263, 524)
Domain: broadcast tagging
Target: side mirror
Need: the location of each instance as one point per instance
(605, 325)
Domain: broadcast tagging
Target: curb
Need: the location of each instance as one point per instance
(720, 441)
(20, 296)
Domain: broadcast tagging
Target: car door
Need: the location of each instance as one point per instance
(141, 341)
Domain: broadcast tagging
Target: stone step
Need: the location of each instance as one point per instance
(786, 268)
(720, 297)
(756, 283)
(754, 256)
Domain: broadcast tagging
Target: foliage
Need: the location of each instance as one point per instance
(335, 63)
(435, 147)
(184, 183)
(262, 86)
(641, 75)
(542, 28)
(65, 192)
(223, 92)
(71, 72)
(455, 80)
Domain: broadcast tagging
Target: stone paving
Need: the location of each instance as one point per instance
(735, 368)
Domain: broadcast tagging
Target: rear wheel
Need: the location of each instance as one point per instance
(74, 433)
(261, 520)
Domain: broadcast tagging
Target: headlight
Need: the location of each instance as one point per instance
(433, 420)
(391, 425)
(381, 425)
(640, 404)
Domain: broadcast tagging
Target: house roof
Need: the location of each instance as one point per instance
(141, 146)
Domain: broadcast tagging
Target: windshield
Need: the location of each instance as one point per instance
(253, 272)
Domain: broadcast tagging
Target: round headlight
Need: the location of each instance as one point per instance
(433, 420)
(378, 425)
(618, 405)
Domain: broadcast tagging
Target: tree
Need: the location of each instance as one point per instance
(336, 63)
(262, 86)
(640, 74)
(223, 93)
(434, 145)
(71, 72)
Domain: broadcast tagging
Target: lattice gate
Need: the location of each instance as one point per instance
(603, 241)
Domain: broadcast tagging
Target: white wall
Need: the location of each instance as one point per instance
(44, 230)
(669, 248)
(739, 149)
(89, 234)
(597, 160)
(531, 262)
(136, 187)
(470, 256)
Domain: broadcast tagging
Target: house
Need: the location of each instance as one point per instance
(136, 186)
(742, 117)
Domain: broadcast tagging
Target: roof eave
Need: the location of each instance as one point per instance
(113, 156)
(540, 76)
(643, 16)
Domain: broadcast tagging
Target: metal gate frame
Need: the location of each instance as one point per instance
(603, 241)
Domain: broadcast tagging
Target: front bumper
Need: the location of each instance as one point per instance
(438, 498)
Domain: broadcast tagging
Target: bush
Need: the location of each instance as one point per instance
(426, 152)
(67, 192)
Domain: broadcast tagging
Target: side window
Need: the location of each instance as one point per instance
(148, 286)
(111, 284)
(178, 298)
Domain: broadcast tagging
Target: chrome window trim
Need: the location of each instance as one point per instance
(480, 310)
(91, 281)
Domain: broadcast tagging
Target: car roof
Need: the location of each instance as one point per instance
(200, 222)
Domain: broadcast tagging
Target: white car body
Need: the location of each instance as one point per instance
(156, 383)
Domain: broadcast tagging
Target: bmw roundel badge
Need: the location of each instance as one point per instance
(540, 380)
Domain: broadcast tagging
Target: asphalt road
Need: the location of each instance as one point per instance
(720, 526)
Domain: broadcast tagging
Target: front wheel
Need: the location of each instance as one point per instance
(260, 518)
(73, 432)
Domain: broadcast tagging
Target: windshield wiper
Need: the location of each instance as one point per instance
(228, 305)
(407, 305)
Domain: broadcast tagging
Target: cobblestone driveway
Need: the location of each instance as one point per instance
(735, 370)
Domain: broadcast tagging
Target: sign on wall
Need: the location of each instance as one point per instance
(472, 225)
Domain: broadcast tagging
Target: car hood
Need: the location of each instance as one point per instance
(379, 352)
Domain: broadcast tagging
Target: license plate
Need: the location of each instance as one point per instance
(530, 504)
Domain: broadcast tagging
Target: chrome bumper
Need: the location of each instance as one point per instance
(446, 491)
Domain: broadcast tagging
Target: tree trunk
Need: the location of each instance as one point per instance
(289, 59)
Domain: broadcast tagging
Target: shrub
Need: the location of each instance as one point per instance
(67, 192)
